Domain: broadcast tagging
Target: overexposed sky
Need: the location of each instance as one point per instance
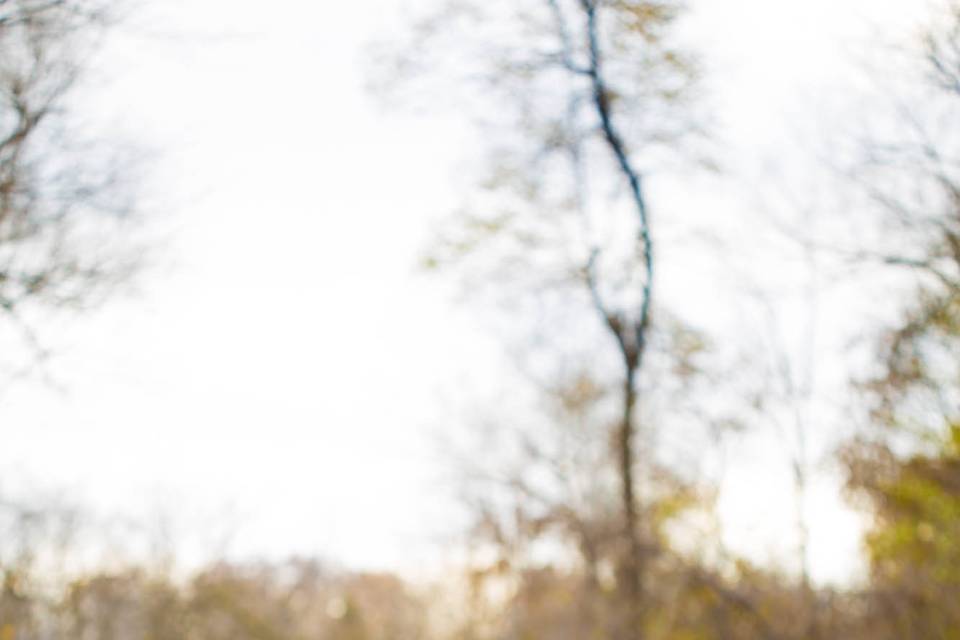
(287, 363)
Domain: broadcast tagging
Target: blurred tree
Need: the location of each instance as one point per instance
(589, 97)
(63, 196)
(294, 600)
(907, 469)
(911, 176)
(914, 544)
(124, 605)
(299, 599)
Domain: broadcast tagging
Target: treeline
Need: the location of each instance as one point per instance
(296, 599)
(913, 590)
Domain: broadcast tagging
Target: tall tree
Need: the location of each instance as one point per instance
(906, 467)
(590, 96)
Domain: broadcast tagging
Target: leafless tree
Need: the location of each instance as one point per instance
(64, 195)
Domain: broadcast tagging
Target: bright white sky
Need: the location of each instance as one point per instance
(290, 365)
